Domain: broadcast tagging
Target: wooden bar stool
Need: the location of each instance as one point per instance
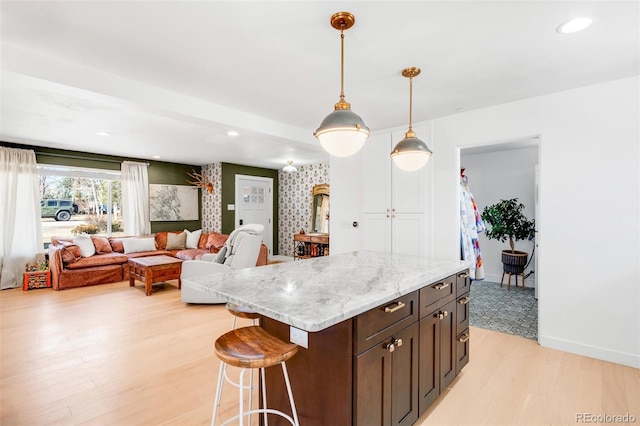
(241, 312)
(249, 348)
(238, 312)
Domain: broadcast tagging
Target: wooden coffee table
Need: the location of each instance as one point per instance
(154, 269)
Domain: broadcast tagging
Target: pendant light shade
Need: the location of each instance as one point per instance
(342, 133)
(410, 154)
(289, 168)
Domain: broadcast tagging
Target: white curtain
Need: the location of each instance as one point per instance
(20, 227)
(135, 198)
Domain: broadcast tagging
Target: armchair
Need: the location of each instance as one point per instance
(240, 251)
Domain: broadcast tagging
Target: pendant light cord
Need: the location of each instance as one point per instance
(342, 63)
(410, 104)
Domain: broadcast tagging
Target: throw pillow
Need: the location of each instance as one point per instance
(216, 240)
(176, 241)
(86, 245)
(193, 238)
(70, 252)
(116, 244)
(137, 245)
(101, 244)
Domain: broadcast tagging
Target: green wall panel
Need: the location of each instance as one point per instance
(229, 172)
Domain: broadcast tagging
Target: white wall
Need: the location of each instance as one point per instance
(497, 175)
(589, 194)
(589, 256)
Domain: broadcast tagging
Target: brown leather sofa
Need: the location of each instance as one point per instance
(110, 264)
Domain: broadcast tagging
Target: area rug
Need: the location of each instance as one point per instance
(513, 312)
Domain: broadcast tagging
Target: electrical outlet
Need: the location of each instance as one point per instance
(299, 337)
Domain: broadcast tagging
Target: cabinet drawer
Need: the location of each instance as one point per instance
(463, 282)
(462, 350)
(462, 313)
(437, 294)
(375, 325)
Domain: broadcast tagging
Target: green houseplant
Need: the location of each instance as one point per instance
(508, 223)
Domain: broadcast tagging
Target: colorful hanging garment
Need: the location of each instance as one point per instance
(470, 225)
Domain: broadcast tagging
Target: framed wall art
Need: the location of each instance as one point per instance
(173, 202)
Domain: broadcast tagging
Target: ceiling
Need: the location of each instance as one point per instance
(171, 78)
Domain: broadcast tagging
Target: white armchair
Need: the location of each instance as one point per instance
(240, 251)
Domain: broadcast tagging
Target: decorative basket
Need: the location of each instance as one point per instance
(36, 279)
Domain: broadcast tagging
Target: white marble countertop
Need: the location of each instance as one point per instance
(314, 294)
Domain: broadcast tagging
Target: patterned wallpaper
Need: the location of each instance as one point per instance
(212, 203)
(295, 202)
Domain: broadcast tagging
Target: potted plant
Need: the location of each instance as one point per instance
(508, 222)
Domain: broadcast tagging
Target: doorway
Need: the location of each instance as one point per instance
(495, 172)
(254, 204)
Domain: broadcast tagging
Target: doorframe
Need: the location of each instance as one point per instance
(238, 201)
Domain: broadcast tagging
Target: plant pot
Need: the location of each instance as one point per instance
(513, 262)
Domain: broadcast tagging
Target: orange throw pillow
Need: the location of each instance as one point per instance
(216, 240)
(101, 244)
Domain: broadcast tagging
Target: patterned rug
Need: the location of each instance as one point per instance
(512, 312)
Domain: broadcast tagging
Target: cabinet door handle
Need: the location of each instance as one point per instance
(387, 216)
(398, 342)
(463, 275)
(464, 300)
(442, 314)
(399, 305)
(390, 347)
(463, 338)
(441, 286)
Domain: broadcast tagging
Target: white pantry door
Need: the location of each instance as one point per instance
(254, 204)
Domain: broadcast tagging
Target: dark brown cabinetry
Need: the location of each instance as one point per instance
(386, 364)
(462, 320)
(383, 367)
(439, 333)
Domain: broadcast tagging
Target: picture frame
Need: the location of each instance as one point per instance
(169, 203)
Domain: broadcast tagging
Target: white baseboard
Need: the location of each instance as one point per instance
(631, 360)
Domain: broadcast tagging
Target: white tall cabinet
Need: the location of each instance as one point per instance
(394, 201)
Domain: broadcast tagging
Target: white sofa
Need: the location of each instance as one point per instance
(240, 251)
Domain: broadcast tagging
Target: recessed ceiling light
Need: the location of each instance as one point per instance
(102, 133)
(574, 25)
(233, 133)
(157, 157)
(460, 110)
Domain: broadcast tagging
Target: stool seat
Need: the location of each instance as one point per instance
(241, 311)
(253, 347)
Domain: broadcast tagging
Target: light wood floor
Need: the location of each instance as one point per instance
(109, 355)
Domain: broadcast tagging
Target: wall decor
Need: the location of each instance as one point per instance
(173, 202)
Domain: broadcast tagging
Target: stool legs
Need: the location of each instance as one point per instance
(241, 387)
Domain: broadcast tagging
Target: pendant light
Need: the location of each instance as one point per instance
(410, 154)
(342, 133)
(289, 168)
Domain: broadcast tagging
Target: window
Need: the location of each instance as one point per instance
(78, 200)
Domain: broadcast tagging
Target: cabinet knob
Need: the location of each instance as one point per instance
(442, 314)
(398, 342)
(390, 347)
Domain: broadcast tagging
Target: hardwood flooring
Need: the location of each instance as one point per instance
(109, 355)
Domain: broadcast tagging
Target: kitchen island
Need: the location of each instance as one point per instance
(381, 332)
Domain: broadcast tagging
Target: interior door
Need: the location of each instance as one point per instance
(254, 204)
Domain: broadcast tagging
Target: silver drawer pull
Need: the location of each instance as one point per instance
(464, 338)
(464, 300)
(441, 286)
(463, 275)
(399, 305)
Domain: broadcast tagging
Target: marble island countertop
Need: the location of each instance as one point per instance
(317, 293)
